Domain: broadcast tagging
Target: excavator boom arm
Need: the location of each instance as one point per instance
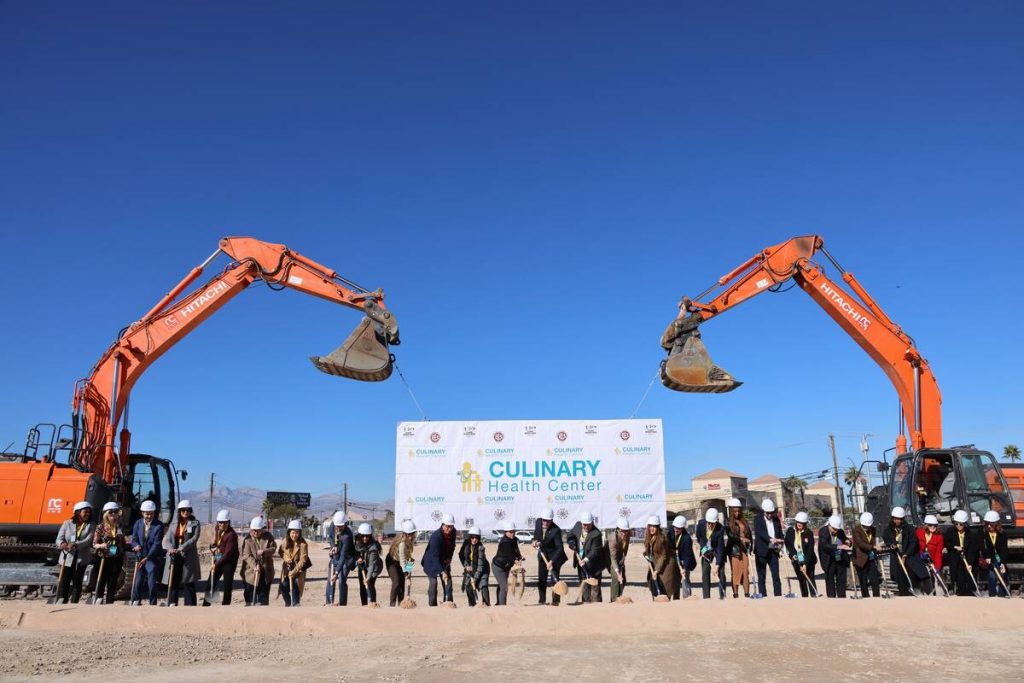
(689, 368)
(100, 399)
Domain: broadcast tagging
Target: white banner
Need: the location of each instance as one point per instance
(487, 472)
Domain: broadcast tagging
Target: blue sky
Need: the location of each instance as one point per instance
(534, 185)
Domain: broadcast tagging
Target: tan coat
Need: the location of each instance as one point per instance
(665, 565)
(293, 559)
(258, 553)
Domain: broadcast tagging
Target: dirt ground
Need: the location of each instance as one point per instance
(756, 640)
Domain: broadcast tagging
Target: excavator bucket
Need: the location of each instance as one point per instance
(689, 368)
(364, 356)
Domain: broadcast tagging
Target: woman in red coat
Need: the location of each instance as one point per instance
(929, 540)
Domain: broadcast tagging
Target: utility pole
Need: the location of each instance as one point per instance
(344, 498)
(209, 518)
(835, 469)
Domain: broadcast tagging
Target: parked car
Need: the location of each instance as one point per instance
(524, 536)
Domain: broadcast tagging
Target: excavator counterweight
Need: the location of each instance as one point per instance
(364, 356)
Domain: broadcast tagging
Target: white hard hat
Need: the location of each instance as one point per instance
(295, 525)
(931, 519)
(148, 506)
(991, 517)
(768, 505)
(184, 504)
(734, 503)
(223, 516)
(448, 519)
(801, 517)
(509, 526)
(711, 516)
(679, 522)
(960, 516)
(623, 524)
(866, 519)
(82, 506)
(111, 506)
(586, 518)
(546, 513)
(474, 531)
(365, 529)
(835, 521)
(257, 523)
(340, 518)
(408, 527)
(654, 520)
(898, 512)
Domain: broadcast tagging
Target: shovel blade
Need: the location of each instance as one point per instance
(364, 356)
(689, 368)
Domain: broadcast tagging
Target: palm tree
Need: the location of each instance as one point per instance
(1011, 453)
(792, 484)
(850, 478)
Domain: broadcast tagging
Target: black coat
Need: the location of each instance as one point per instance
(908, 547)
(715, 545)
(683, 544)
(593, 549)
(762, 541)
(551, 545)
(968, 551)
(805, 544)
(507, 553)
(828, 550)
(988, 550)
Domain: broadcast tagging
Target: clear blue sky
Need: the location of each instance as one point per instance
(535, 185)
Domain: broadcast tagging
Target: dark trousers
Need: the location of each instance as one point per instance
(500, 585)
(291, 590)
(226, 572)
(367, 588)
(146, 575)
(70, 586)
(959, 576)
(432, 589)
(481, 585)
(868, 577)
(804, 583)
(258, 594)
(590, 593)
(397, 577)
(835, 579)
(903, 584)
(705, 579)
(543, 577)
(995, 588)
(340, 578)
(772, 563)
(106, 580)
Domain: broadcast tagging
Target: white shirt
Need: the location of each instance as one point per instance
(771, 526)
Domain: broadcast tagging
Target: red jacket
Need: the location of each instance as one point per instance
(934, 547)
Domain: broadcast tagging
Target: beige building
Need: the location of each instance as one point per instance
(713, 488)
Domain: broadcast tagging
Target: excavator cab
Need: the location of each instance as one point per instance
(154, 479)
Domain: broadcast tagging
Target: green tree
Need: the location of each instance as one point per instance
(850, 478)
(792, 485)
(1011, 453)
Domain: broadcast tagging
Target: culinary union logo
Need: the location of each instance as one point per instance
(499, 514)
(624, 435)
(436, 515)
(435, 437)
(562, 436)
(499, 437)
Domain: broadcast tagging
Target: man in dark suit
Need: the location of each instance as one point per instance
(147, 539)
(587, 545)
(711, 538)
(960, 547)
(834, 553)
(437, 560)
(547, 539)
(682, 544)
(901, 539)
(768, 542)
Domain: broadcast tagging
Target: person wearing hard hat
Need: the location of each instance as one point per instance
(865, 555)
(108, 544)
(547, 539)
(682, 545)
(738, 540)
(900, 540)
(74, 538)
(294, 553)
(506, 557)
(225, 556)
(368, 563)
(663, 570)
(834, 551)
(992, 554)
(182, 565)
(960, 548)
(343, 560)
(257, 568)
(437, 560)
(588, 556)
(399, 563)
(147, 543)
(618, 548)
(476, 570)
(768, 543)
(711, 540)
(930, 543)
(800, 546)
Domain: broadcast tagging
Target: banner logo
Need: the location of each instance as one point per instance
(469, 478)
(435, 437)
(530, 430)
(469, 430)
(408, 430)
(499, 514)
(499, 437)
(624, 435)
(562, 436)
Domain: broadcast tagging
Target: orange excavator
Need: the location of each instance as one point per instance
(89, 459)
(926, 478)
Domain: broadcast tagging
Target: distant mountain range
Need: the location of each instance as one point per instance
(244, 503)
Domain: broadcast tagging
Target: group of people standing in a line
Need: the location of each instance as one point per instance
(916, 557)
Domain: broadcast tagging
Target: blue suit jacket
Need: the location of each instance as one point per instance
(152, 545)
(717, 543)
(435, 558)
